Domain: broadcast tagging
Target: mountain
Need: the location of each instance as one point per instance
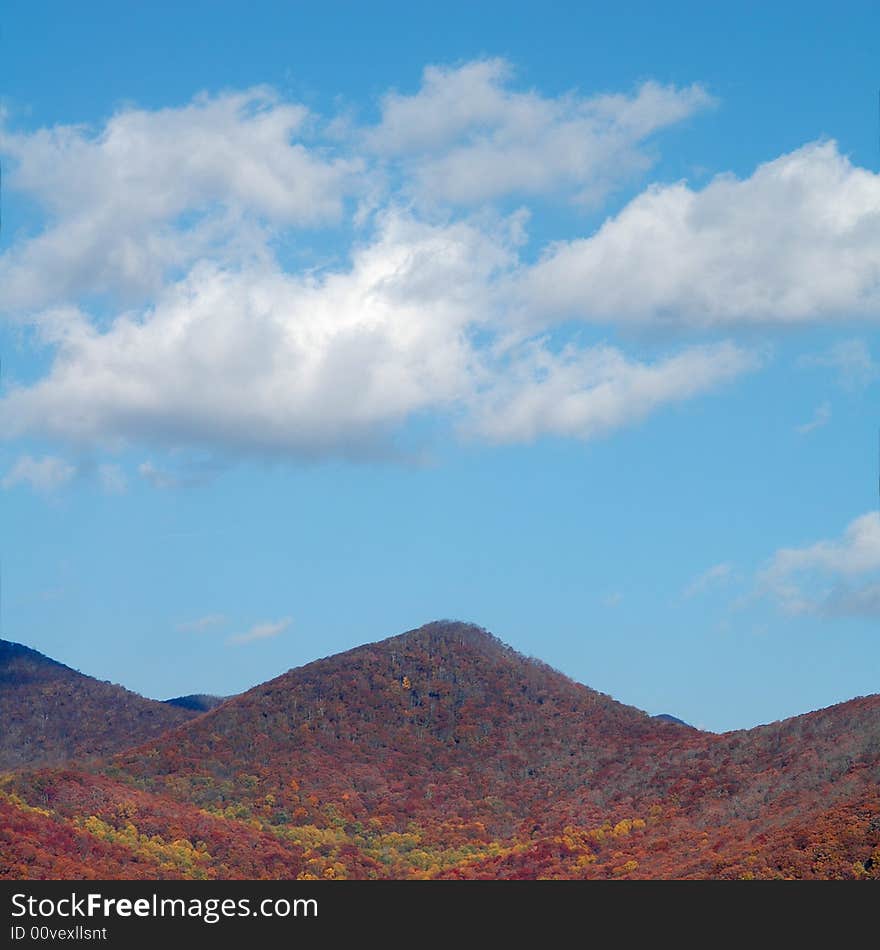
(444, 753)
(197, 702)
(666, 717)
(411, 727)
(52, 714)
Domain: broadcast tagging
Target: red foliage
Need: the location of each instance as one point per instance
(444, 753)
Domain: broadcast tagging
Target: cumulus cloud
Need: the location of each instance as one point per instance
(46, 474)
(831, 576)
(587, 392)
(262, 631)
(797, 241)
(466, 136)
(262, 359)
(258, 360)
(217, 343)
(855, 553)
(152, 191)
(821, 417)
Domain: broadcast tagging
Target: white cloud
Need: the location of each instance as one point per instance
(714, 576)
(821, 417)
(46, 474)
(259, 361)
(262, 631)
(851, 358)
(818, 578)
(201, 624)
(218, 347)
(467, 137)
(586, 393)
(798, 241)
(856, 552)
(152, 191)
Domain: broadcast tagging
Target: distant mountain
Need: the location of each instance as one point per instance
(444, 753)
(666, 717)
(197, 702)
(50, 713)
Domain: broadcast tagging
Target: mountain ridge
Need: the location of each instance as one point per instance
(52, 713)
(197, 702)
(443, 752)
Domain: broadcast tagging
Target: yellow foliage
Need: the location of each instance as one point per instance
(20, 803)
(178, 855)
(125, 809)
(599, 834)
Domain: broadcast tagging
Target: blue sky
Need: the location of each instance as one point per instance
(321, 322)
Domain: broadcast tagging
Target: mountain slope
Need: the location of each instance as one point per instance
(443, 753)
(447, 720)
(52, 714)
(443, 720)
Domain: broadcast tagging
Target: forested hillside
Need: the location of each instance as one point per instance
(444, 753)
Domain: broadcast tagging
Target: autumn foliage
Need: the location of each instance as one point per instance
(52, 714)
(443, 753)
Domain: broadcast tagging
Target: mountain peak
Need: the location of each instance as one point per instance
(446, 704)
(453, 633)
(463, 646)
